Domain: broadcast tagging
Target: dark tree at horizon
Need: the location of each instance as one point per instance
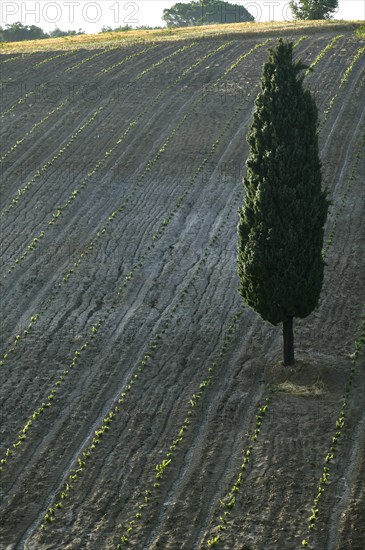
(17, 32)
(313, 9)
(205, 12)
(281, 223)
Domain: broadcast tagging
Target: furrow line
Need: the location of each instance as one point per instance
(323, 53)
(65, 102)
(31, 93)
(344, 79)
(112, 217)
(35, 126)
(34, 243)
(324, 480)
(91, 57)
(342, 202)
(41, 171)
(36, 65)
(103, 424)
(118, 295)
(228, 502)
(162, 468)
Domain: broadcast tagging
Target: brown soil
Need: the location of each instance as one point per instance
(165, 256)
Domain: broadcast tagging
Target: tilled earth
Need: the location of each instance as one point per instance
(121, 179)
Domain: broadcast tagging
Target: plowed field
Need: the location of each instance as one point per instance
(132, 376)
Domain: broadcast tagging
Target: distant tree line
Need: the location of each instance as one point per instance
(126, 28)
(205, 12)
(16, 32)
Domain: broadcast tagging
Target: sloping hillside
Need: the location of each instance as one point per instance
(142, 403)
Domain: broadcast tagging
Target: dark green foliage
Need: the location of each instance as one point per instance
(17, 32)
(281, 223)
(117, 29)
(205, 12)
(313, 9)
(57, 33)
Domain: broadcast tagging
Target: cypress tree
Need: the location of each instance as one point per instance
(281, 223)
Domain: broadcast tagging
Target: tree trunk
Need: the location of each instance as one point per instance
(288, 337)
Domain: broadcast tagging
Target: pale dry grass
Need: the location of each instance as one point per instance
(315, 389)
(101, 40)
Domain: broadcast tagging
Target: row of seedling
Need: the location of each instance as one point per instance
(155, 342)
(110, 68)
(111, 218)
(35, 126)
(40, 63)
(34, 243)
(103, 231)
(36, 240)
(92, 57)
(322, 53)
(330, 457)
(229, 501)
(348, 186)
(97, 325)
(15, 58)
(31, 93)
(300, 40)
(160, 469)
(52, 58)
(43, 169)
(63, 103)
(344, 79)
(242, 57)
